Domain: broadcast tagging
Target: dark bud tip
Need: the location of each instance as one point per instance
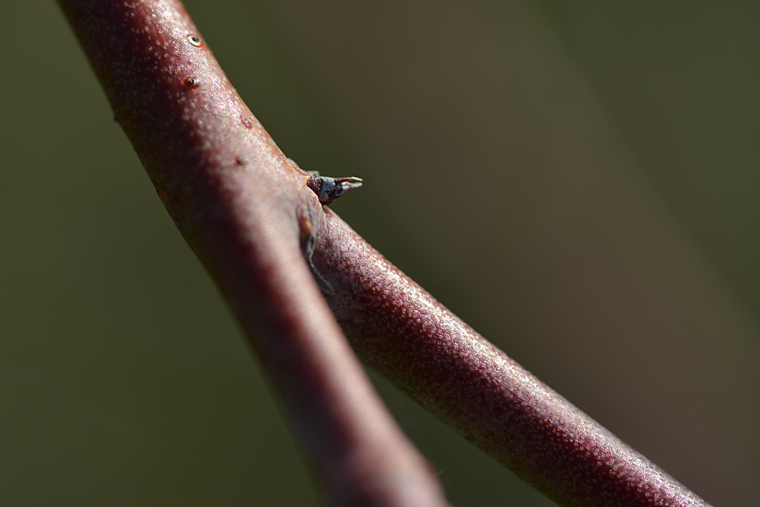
(329, 189)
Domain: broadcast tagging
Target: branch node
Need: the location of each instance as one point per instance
(329, 189)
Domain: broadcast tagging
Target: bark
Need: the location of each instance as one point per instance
(279, 257)
(247, 211)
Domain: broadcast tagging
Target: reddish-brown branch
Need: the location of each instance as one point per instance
(409, 337)
(244, 209)
(247, 212)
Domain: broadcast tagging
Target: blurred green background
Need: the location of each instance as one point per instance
(579, 181)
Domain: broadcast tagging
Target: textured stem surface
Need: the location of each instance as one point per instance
(246, 211)
(250, 216)
(409, 337)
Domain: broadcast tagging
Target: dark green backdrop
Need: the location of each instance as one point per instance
(579, 181)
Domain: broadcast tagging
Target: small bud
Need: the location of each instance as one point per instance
(328, 189)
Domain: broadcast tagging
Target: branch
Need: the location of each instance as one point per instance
(258, 225)
(246, 212)
(408, 336)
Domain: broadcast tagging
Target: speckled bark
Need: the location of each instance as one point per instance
(408, 336)
(245, 210)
